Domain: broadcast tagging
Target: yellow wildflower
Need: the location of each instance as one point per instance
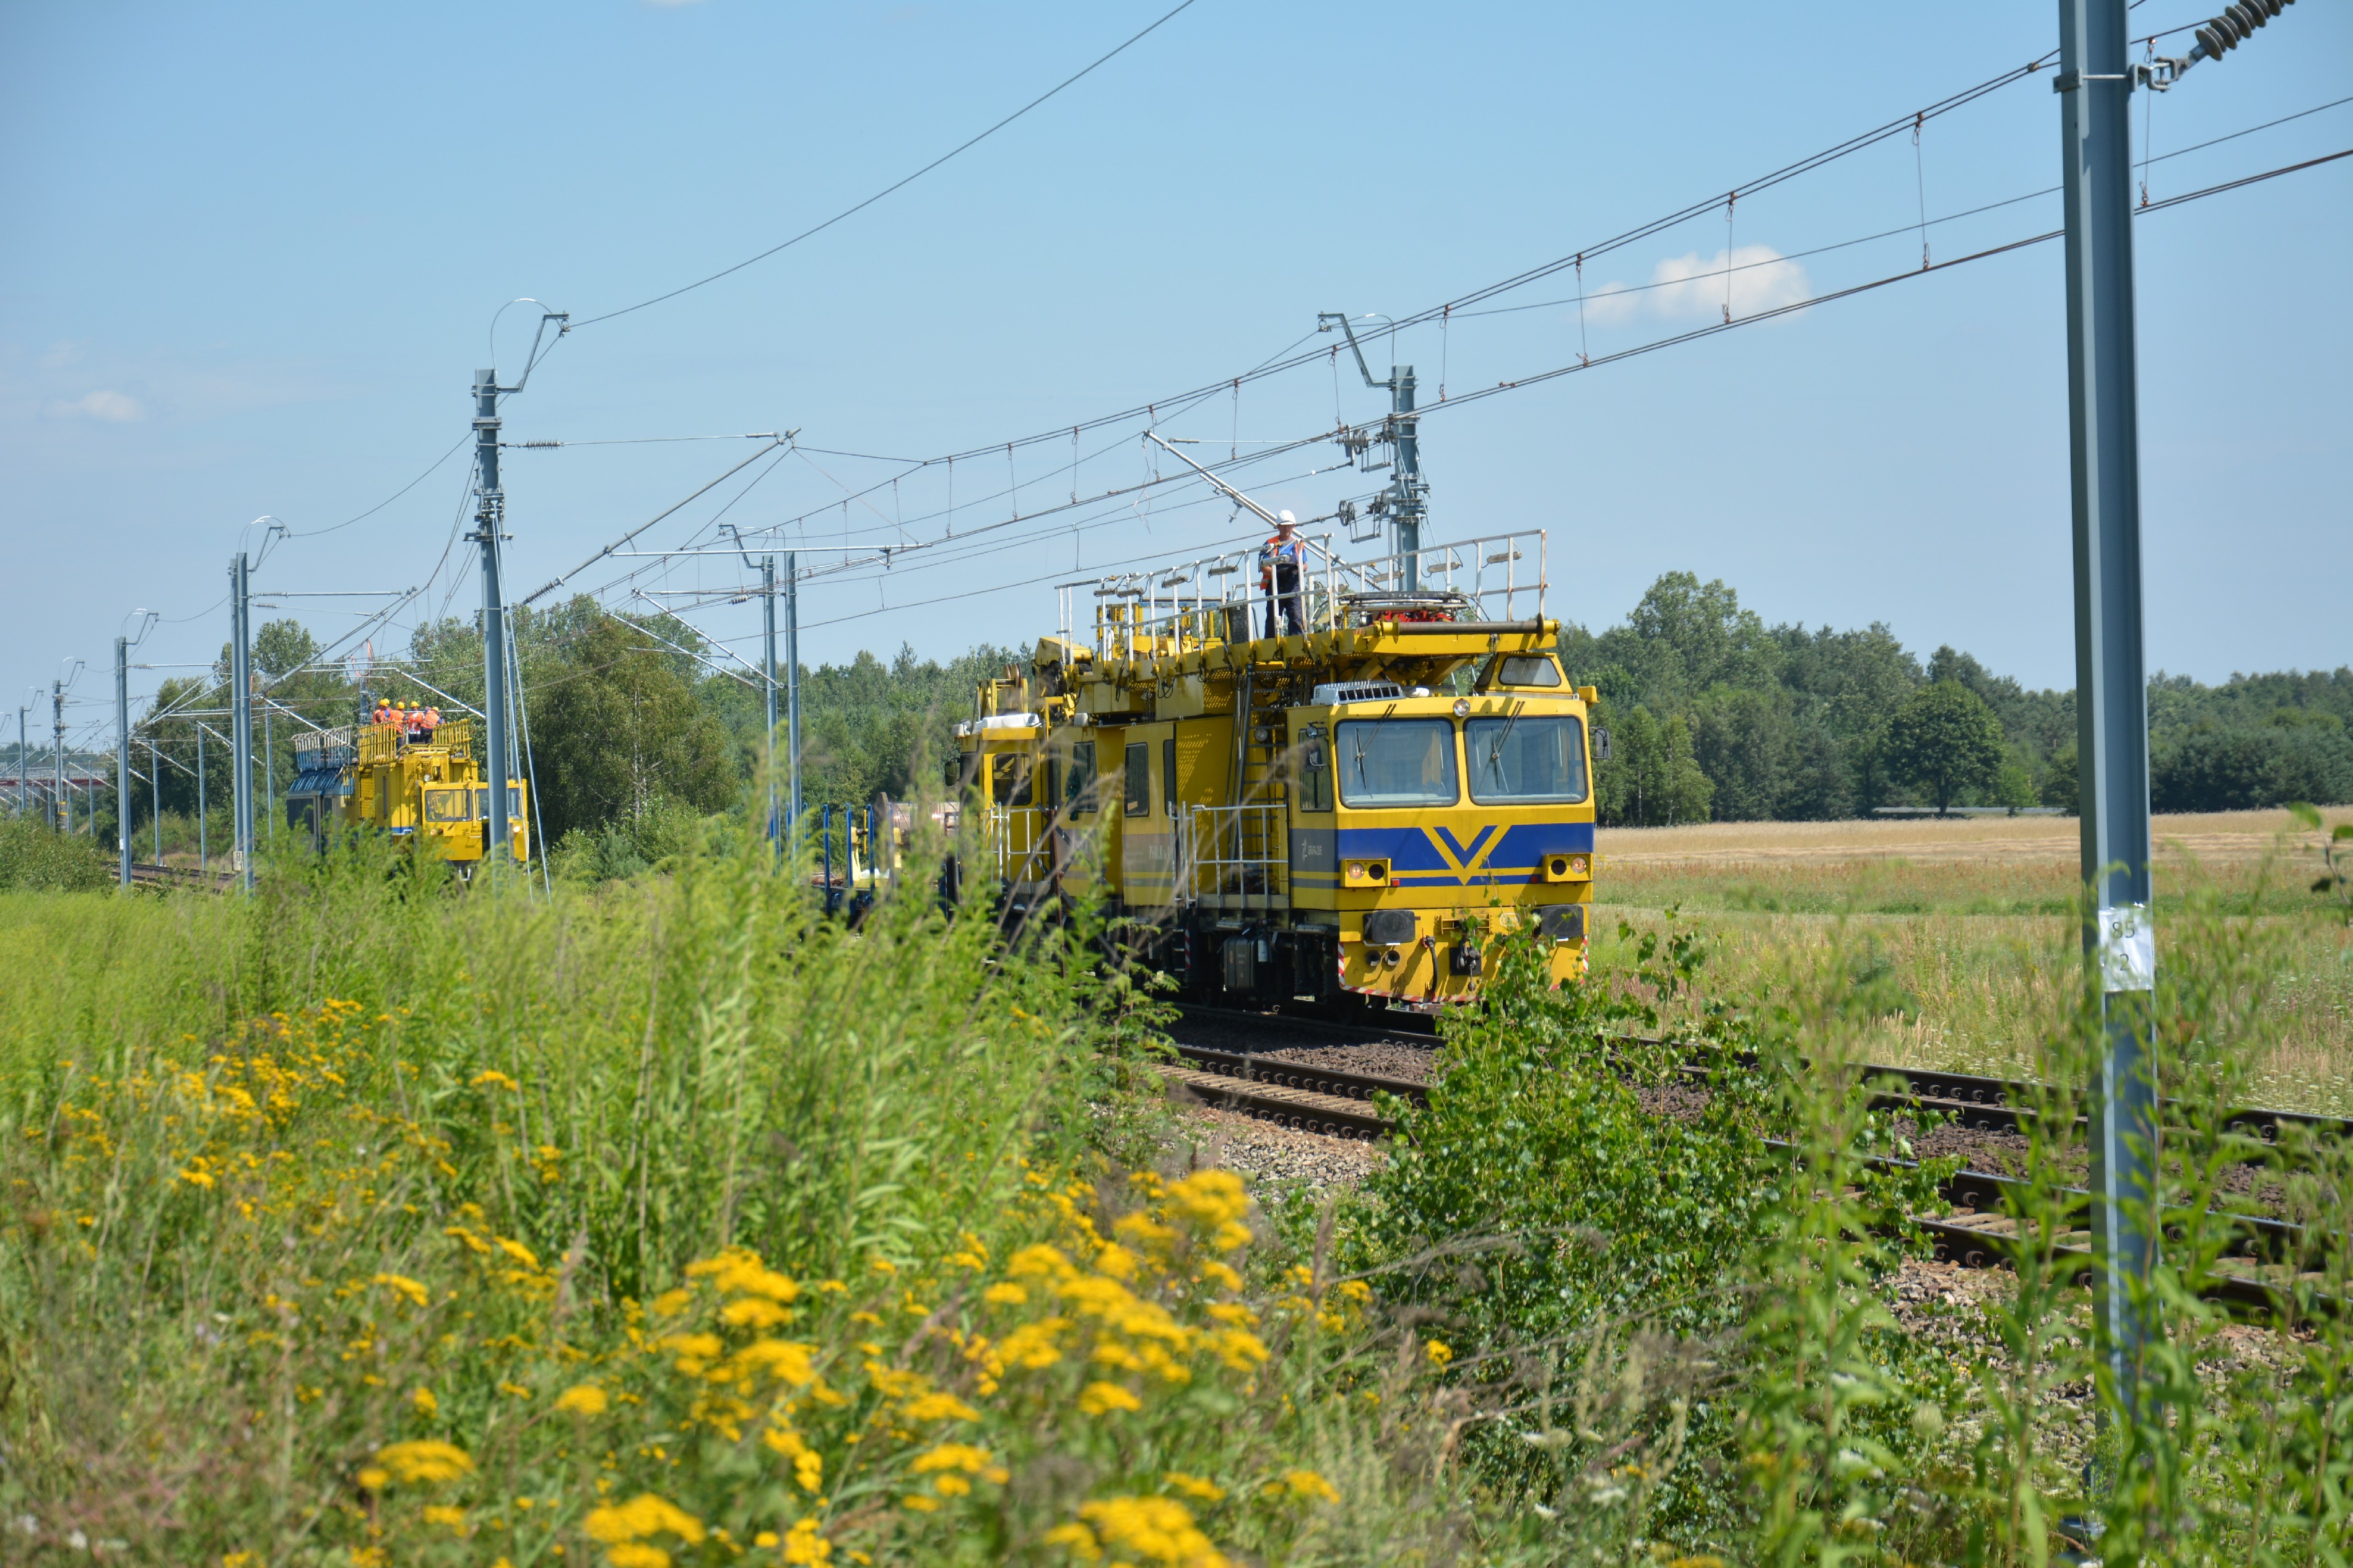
(1302, 1484)
(401, 1285)
(1239, 1349)
(753, 1312)
(1099, 1398)
(1159, 1528)
(738, 1272)
(962, 1456)
(1005, 1294)
(1077, 1538)
(670, 1303)
(803, 1544)
(641, 1516)
(455, 1518)
(1195, 1486)
(939, 1407)
(695, 1351)
(1438, 1351)
(494, 1078)
(426, 1403)
(427, 1459)
(1039, 1261)
(582, 1399)
(1031, 1346)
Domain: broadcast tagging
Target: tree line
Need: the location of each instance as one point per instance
(640, 729)
(1715, 715)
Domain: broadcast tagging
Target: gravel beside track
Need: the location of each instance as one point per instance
(1269, 1154)
(1350, 1048)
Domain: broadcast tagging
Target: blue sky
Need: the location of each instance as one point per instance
(252, 255)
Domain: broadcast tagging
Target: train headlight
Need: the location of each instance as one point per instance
(1365, 873)
(1565, 869)
(1390, 959)
(1462, 708)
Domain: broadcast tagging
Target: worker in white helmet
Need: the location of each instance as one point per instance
(1279, 562)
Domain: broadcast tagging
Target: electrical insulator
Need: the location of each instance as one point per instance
(2236, 24)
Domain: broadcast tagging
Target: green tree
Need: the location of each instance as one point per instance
(1743, 741)
(1944, 740)
(1652, 779)
(617, 732)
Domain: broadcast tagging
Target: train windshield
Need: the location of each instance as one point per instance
(1396, 762)
(449, 805)
(1534, 758)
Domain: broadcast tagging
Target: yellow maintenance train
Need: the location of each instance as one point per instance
(1348, 812)
(421, 786)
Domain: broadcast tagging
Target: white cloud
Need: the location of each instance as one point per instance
(1689, 286)
(113, 407)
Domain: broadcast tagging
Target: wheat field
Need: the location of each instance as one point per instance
(1973, 920)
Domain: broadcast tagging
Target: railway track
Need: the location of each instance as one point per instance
(1966, 1099)
(1975, 1228)
(146, 875)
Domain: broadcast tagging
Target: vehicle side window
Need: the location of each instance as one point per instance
(1521, 669)
(1168, 776)
(1314, 770)
(1139, 779)
(1078, 782)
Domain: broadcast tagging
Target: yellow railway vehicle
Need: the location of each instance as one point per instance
(427, 790)
(1347, 813)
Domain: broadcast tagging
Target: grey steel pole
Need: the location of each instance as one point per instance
(240, 708)
(792, 696)
(203, 857)
(1408, 473)
(268, 775)
(2111, 683)
(24, 765)
(64, 813)
(489, 516)
(768, 629)
(155, 797)
(123, 753)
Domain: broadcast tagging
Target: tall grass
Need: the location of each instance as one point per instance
(361, 1222)
(1986, 978)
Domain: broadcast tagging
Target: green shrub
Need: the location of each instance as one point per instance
(33, 858)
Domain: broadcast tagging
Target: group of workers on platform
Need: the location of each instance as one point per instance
(416, 723)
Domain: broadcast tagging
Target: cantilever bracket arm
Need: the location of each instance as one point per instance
(1325, 317)
(1240, 499)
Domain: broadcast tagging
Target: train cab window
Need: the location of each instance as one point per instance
(449, 805)
(1011, 780)
(1078, 782)
(1168, 776)
(1139, 780)
(1314, 770)
(1396, 762)
(1521, 669)
(482, 803)
(1538, 759)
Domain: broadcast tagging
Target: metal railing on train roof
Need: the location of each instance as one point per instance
(1215, 598)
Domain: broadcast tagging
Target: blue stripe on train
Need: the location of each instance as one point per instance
(1439, 849)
